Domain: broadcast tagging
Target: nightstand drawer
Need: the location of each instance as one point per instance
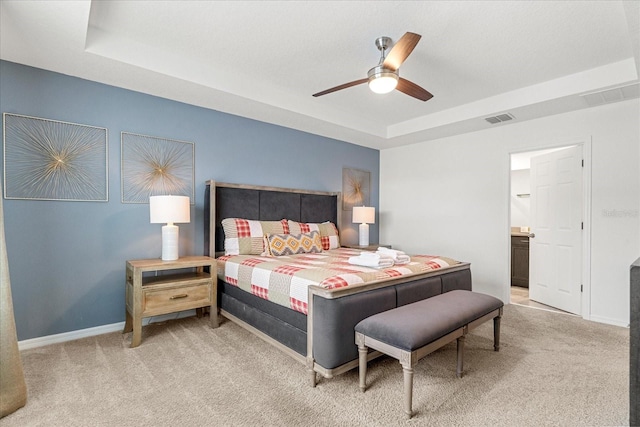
(169, 300)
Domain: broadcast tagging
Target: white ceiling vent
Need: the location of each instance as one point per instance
(500, 118)
(612, 95)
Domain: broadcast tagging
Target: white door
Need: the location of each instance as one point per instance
(555, 244)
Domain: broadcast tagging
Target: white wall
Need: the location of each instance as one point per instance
(451, 197)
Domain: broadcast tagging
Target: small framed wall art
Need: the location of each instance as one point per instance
(153, 166)
(356, 188)
(53, 160)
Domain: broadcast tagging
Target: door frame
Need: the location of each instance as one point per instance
(585, 142)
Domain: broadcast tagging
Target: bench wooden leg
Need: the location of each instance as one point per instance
(496, 332)
(460, 367)
(362, 353)
(408, 389)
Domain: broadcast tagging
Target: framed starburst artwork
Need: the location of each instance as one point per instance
(356, 188)
(53, 160)
(153, 166)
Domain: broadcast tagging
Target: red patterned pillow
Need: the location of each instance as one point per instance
(245, 236)
(328, 232)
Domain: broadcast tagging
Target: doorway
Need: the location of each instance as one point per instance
(549, 276)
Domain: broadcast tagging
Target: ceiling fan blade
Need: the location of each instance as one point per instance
(412, 89)
(401, 50)
(344, 86)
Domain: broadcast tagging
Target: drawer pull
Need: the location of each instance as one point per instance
(179, 296)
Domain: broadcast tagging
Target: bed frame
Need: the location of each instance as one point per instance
(323, 340)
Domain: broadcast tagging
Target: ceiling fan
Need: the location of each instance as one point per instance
(384, 77)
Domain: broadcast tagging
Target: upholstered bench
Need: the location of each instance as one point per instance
(410, 332)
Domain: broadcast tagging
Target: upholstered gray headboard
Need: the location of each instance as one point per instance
(224, 200)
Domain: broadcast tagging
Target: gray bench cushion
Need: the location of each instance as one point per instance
(415, 325)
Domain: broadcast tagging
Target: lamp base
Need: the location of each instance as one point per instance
(364, 235)
(170, 237)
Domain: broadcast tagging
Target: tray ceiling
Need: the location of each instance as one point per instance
(263, 60)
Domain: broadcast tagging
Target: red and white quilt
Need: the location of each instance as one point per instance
(285, 280)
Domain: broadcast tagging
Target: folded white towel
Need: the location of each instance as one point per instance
(391, 252)
(369, 254)
(398, 257)
(379, 261)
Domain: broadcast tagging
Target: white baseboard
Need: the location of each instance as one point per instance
(598, 319)
(608, 321)
(98, 330)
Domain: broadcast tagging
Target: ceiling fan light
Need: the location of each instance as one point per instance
(384, 84)
(382, 80)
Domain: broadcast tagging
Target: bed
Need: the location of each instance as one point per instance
(319, 331)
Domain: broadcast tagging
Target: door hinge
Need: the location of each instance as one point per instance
(582, 162)
(582, 226)
(581, 287)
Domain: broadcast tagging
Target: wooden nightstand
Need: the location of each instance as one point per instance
(151, 295)
(367, 248)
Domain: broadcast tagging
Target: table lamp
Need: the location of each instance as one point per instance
(364, 215)
(169, 209)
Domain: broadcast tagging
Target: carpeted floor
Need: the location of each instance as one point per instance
(552, 370)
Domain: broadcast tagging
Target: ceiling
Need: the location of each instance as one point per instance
(264, 59)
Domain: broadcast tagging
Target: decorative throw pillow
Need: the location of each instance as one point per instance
(328, 232)
(291, 244)
(245, 236)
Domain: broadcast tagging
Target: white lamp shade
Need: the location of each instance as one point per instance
(169, 209)
(364, 215)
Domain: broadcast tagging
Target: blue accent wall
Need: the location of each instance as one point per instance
(67, 259)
